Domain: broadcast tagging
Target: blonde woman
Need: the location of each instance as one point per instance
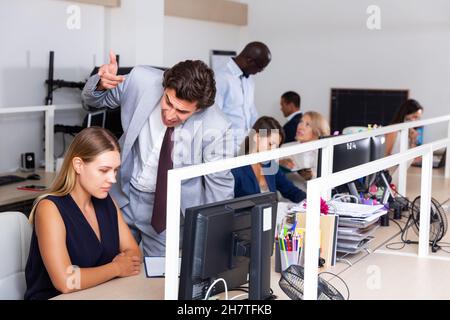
(312, 126)
(80, 239)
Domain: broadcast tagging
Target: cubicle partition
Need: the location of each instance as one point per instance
(316, 188)
(49, 126)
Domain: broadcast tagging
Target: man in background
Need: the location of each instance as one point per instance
(236, 88)
(290, 106)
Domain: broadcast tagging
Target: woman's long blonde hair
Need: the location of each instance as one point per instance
(87, 145)
(319, 124)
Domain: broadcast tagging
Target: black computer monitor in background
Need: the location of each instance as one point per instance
(356, 153)
(381, 178)
(232, 240)
(345, 156)
(377, 147)
(351, 154)
(377, 151)
(348, 155)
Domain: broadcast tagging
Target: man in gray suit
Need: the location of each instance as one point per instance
(169, 120)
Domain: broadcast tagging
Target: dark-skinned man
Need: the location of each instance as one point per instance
(236, 88)
(290, 106)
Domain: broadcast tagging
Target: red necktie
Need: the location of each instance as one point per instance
(164, 164)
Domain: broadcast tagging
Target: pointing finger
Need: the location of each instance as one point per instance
(112, 58)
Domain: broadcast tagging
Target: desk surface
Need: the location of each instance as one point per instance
(9, 193)
(142, 288)
(130, 288)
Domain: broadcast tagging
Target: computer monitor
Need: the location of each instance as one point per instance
(381, 178)
(377, 147)
(96, 119)
(232, 240)
(348, 155)
(351, 154)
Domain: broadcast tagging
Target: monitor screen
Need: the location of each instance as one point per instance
(351, 154)
(377, 147)
(232, 240)
(97, 119)
(348, 155)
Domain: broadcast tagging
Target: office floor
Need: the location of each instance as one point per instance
(399, 274)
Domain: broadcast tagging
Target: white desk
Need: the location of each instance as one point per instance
(130, 288)
(9, 193)
(142, 288)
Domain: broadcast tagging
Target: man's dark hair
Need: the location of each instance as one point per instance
(192, 81)
(292, 97)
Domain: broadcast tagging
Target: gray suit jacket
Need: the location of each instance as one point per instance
(205, 136)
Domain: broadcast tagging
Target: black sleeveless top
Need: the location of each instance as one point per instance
(85, 250)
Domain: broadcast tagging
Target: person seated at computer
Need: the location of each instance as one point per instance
(266, 134)
(80, 239)
(410, 110)
(312, 126)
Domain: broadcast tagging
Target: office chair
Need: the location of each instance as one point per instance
(15, 237)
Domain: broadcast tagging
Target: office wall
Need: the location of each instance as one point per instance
(317, 45)
(28, 31)
(135, 31)
(193, 39)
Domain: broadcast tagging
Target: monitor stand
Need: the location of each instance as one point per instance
(353, 190)
(387, 189)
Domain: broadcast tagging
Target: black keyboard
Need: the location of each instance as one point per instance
(4, 180)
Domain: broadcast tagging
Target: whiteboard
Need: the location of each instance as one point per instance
(218, 58)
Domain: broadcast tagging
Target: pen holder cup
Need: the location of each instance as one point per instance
(288, 258)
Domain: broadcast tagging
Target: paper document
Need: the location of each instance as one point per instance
(352, 246)
(155, 266)
(357, 236)
(354, 209)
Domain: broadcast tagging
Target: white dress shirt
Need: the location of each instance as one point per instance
(289, 117)
(304, 160)
(148, 148)
(235, 96)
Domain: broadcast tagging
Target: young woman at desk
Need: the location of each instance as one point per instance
(410, 110)
(80, 239)
(311, 127)
(266, 134)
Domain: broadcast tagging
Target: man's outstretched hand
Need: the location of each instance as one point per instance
(108, 74)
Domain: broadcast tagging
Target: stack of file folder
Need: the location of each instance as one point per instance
(357, 223)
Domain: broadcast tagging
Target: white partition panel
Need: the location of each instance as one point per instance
(316, 187)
